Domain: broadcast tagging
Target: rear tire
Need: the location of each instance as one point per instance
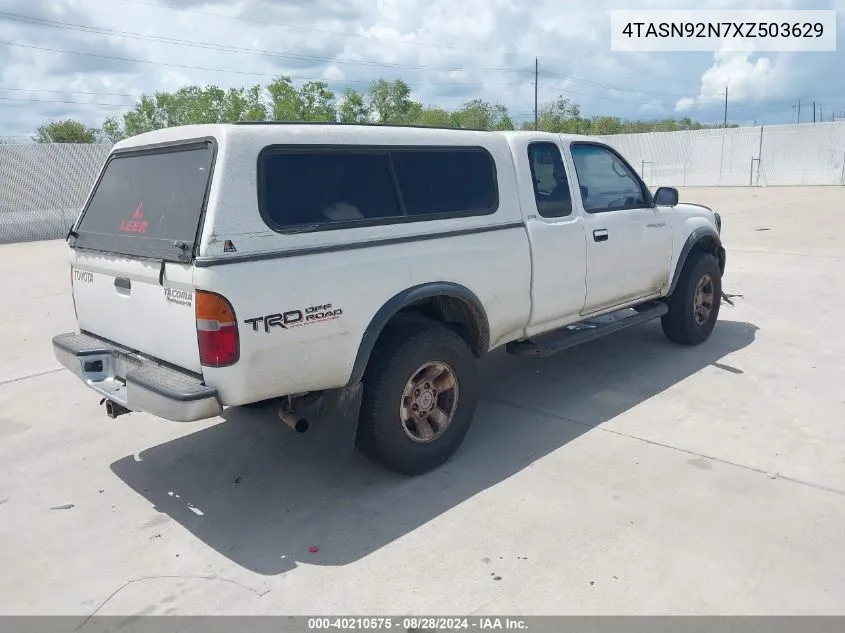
(420, 395)
(694, 305)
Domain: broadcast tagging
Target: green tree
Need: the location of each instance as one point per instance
(390, 102)
(385, 102)
(285, 100)
(353, 108)
(112, 131)
(65, 131)
(561, 116)
(246, 105)
(316, 102)
(478, 114)
(600, 125)
(433, 116)
(144, 117)
(190, 105)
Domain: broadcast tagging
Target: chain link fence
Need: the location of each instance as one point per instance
(800, 154)
(43, 187)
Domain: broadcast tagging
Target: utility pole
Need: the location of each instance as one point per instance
(799, 109)
(536, 76)
(821, 114)
(814, 111)
(793, 113)
(726, 106)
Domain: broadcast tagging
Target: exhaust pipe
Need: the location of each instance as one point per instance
(300, 425)
(113, 409)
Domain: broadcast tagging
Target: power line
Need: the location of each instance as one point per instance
(226, 48)
(129, 105)
(36, 21)
(436, 45)
(599, 84)
(246, 72)
(583, 94)
(299, 27)
(75, 92)
(84, 103)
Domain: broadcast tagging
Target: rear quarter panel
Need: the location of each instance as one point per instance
(320, 354)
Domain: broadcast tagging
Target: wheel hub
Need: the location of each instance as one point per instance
(426, 400)
(429, 402)
(703, 300)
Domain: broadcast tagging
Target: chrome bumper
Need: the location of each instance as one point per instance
(136, 382)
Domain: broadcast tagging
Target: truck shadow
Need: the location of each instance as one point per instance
(261, 495)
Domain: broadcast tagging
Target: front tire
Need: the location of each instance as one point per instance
(420, 394)
(694, 305)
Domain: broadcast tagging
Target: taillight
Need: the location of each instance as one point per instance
(217, 330)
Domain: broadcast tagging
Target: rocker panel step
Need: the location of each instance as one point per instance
(588, 330)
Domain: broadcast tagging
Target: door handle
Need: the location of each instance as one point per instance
(600, 235)
(123, 285)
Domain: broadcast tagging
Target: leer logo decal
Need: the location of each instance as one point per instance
(296, 318)
(137, 224)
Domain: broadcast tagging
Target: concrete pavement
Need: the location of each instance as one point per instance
(626, 476)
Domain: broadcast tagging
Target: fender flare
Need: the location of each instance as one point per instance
(697, 236)
(407, 297)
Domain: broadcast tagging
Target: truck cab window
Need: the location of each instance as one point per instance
(551, 187)
(610, 183)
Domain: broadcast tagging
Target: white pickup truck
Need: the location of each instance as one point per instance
(356, 272)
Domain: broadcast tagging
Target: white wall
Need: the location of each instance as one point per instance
(805, 154)
(43, 186)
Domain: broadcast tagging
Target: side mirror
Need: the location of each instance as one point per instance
(666, 197)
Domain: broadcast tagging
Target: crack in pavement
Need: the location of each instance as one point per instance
(598, 427)
(260, 594)
(27, 377)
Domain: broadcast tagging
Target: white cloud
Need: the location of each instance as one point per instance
(684, 104)
(421, 41)
(746, 79)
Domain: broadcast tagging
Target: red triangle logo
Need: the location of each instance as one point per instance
(138, 215)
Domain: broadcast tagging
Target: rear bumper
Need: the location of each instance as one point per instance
(135, 382)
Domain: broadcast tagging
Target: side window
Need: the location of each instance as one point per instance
(609, 183)
(446, 181)
(302, 188)
(551, 187)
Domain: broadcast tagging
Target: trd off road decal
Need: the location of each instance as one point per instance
(179, 297)
(296, 318)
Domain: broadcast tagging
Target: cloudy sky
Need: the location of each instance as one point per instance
(89, 59)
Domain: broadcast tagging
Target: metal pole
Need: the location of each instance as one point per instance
(536, 75)
(759, 154)
(842, 176)
(751, 172)
(726, 105)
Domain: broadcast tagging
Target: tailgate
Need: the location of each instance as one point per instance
(133, 247)
(120, 299)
